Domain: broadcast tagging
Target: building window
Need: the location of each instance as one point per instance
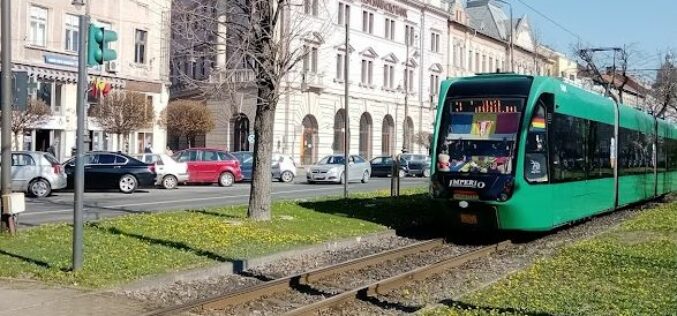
(434, 42)
(38, 28)
(309, 59)
(492, 67)
(140, 46)
(434, 84)
(390, 29)
(367, 72)
(310, 7)
(367, 22)
(409, 35)
(144, 142)
(71, 31)
(484, 63)
(409, 79)
(470, 55)
(388, 76)
(344, 14)
(477, 62)
(340, 60)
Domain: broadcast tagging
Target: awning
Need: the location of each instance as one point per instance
(64, 76)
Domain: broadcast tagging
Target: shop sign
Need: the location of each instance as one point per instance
(387, 7)
(61, 60)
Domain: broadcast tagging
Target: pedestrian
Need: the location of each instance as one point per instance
(147, 149)
(169, 152)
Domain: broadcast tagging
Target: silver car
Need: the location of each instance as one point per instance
(36, 173)
(330, 169)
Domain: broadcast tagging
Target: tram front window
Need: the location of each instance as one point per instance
(479, 135)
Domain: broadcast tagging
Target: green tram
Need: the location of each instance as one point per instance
(514, 152)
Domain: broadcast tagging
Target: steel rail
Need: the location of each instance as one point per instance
(283, 284)
(383, 286)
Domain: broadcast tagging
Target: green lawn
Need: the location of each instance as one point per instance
(631, 270)
(127, 248)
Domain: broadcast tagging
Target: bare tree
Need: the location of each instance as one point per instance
(664, 89)
(187, 118)
(615, 74)
(424, 138)
(37, 113)
(256, 45)
(122, 113)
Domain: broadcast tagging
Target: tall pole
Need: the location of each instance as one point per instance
(345, 121)
(512, 47)
(406, 94)
(80, 143)
(6, 86)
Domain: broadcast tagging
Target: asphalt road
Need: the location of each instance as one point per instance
(59, 206)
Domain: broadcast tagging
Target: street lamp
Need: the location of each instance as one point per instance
(409, 38)
(512, 65)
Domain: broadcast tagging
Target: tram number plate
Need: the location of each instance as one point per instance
(469, 219)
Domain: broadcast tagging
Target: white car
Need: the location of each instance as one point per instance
(284, 168)
(169, 172)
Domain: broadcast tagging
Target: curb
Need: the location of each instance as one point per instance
(229, 268)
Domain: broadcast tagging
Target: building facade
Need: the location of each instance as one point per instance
(45, 45)
(483, 39)
(397, 52)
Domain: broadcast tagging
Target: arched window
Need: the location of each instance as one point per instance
(240, 132)
(365, 135)
(309, 140)
(339, 145)
(388, 135)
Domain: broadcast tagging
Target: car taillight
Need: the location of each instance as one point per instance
(151, 168)
(56, 168)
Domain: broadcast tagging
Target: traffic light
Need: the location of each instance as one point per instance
(97, 48)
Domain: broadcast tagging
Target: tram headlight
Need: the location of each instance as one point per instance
(508, 188)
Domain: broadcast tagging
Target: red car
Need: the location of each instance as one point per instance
(206, 165)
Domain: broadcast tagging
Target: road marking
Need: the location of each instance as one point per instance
(167, 202)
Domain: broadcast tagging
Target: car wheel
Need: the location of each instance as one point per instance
(402, 174)
(39, 188)
(127, 184)
(226, 179)
(287, 176)
(170, 182)
(426, 173)
(365, 177)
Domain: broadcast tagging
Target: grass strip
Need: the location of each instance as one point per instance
(123, 249)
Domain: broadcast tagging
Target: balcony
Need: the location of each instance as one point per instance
(312, 82)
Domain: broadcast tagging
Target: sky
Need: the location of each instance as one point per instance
(650, 25)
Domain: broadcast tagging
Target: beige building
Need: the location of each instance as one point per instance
(480, 38)
(45, 45)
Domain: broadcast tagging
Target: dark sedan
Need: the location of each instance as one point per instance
(109, 170)
(416, 165)
(382, 167)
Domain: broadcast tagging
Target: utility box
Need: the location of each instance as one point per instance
(13, 203)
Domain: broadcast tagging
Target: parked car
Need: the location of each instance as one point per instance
(170, 173)
(207, 165)
(283, 166)
(382, 167)
(331, 169)
(36, 173)
(415, 164)
(108, 170)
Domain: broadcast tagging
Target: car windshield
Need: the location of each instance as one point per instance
(479, 135)
(331, 160)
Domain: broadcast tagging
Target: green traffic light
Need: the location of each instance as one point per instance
(98, 51)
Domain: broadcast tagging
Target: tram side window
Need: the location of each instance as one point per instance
(635, 152)
(599, 150)
(672, 154)
(568, 148)
(536, 162)
(660, 154)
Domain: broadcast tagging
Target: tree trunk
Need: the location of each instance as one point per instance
(259, 196)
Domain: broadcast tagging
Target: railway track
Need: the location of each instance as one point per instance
(289, 283)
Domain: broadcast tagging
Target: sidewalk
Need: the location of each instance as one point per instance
(29, 298)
